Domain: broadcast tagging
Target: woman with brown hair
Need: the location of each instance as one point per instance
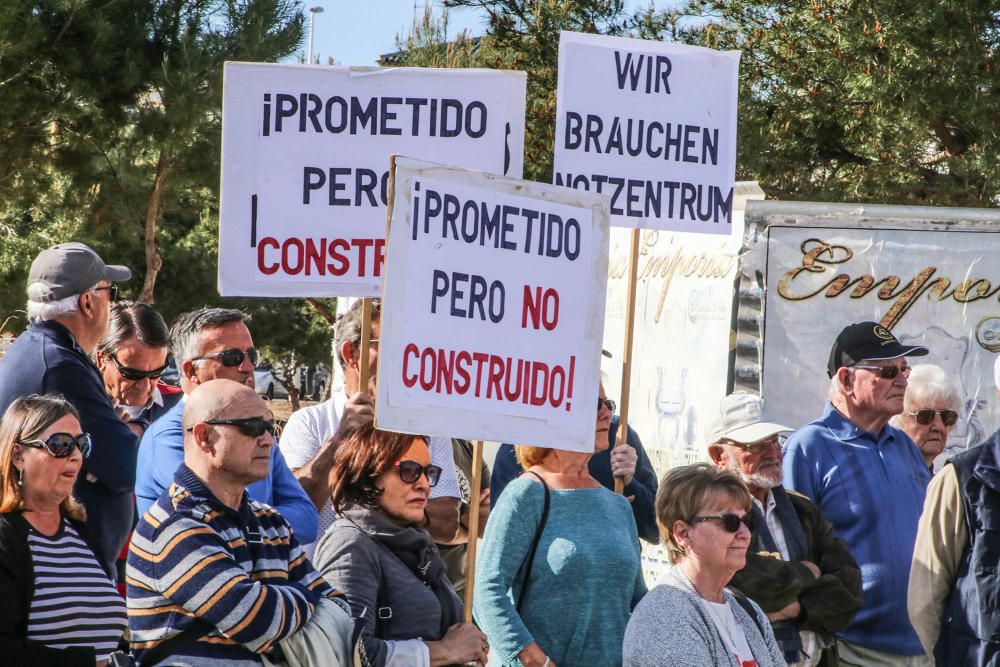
(379, 554)
(59, 606)
(692, 619)
(558, 569)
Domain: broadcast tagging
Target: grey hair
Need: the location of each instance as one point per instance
(348, 327)
(187, 328)
(930, 384)
(835, 390)
(43, 312)
(128, 320)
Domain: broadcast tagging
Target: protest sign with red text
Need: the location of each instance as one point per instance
(305, 154)
(493, 308)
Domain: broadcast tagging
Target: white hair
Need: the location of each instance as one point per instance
(836, 389)
(930, 384)
(42, 312)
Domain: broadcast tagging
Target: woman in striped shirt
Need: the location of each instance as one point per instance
(59, 606)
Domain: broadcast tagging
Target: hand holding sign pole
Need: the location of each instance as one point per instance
(622, 438)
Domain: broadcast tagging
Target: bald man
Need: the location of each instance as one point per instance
(231, 562)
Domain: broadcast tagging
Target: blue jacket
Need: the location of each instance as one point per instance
(871, 487)
(970, 630)
(162, 452)
(46, 359)
(643, 484)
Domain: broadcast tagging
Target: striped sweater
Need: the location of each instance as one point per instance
(193, 561)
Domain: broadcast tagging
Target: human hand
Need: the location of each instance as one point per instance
(623, 462)
(358, 411)
(533, 656)
(791, 611)
(463, 643)
(812, 568)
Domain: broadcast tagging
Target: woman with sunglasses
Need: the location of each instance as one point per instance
(559, 570)
(59, 606)
(380, 555)
(692, 619)
(930, 409)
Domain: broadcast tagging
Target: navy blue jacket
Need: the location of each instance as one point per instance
(643, 484)
(45, 359)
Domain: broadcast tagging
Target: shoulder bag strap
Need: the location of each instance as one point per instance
(534, 543)
(744, 602)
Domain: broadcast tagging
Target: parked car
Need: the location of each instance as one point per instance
(267, 384)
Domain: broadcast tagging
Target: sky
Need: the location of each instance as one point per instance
(357, 32)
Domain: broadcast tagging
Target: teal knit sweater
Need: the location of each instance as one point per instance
(585, 579)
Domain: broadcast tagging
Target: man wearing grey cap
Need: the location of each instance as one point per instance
(802, 576)
(870, 480)
(70, 291)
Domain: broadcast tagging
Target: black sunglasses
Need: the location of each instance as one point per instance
(887, 372)
(60, 445)
(231, 358)
(730, 522)
(250, 426)
(410, 472)
(134, 374)
(606, 403)
(926, 416)
(112, 291)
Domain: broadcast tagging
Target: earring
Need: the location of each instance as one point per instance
(20, 476)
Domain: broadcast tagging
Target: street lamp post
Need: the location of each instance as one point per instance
(312, 29)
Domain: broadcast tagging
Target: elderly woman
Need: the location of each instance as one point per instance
(930, 409)
(379, 554)
(59, 606)
(692, 620)
(558, 571)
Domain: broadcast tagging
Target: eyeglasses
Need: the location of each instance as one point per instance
(232, 357)
(410, 472)
(606, 403)
(760, 445)
(926, 416)
(887, 372)
(134, 374)
(253, 427)
(730, 522)
(60, 445)
(112, 291)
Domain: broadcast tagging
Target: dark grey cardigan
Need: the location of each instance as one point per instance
(357, 565)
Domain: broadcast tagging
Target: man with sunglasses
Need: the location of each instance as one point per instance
(132, 356)
(803, 577)
(70, 291)
(869, 480)
(954, 593)
(210, 344)
(232, 563)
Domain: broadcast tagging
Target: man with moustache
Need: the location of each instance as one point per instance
(869, 479)
(802, 576)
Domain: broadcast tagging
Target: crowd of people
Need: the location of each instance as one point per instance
(147, 524)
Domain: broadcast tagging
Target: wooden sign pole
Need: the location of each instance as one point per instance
(470, 553)
(633, 263)
(366, 336)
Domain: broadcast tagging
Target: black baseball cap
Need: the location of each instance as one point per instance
(868, 340)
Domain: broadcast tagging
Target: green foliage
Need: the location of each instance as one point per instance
(879, 100)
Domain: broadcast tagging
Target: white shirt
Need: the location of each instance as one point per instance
(731, 632)
(307, 429)
(810, 640)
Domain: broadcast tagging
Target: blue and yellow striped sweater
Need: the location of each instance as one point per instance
(243, 572)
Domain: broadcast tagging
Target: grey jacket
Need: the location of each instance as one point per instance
(357, 565)
(670, 627)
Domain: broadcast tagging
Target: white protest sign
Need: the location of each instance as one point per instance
(651, 124)
(305, 157)
(493, 308)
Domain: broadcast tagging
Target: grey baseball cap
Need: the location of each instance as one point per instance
(741, 418)
(67, 269)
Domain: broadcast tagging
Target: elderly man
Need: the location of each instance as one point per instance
(930, 408)
(214, 577)
(209, 344)
(953, 600)
(132, 356)
(797, 571)
(869, 479)
(70, 292)
(311, 435)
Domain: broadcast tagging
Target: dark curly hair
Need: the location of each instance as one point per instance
(360, 459)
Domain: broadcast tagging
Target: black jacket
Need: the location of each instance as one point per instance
(17, 586)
